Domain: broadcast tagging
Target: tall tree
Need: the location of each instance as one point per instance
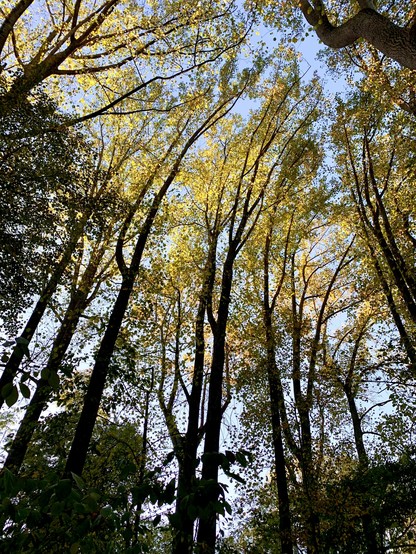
(77, 455)
(96, 47)
(378, 175)
(271, 149)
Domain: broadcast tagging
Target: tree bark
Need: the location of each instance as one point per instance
(78, 303)
(13, 364)
(395, 42)
(368, 527)
(276, 399)
(304, 454)
(207, 526)
(183, 540)
(276, 402)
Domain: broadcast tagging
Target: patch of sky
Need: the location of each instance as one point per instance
(309, 51)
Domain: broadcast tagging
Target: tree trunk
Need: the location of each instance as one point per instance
(368, 526)
(78, 303)
(304, 454)
(13, 364)
(183, 540)
(276, 402)
(207, 525)
(276, 399)
(398, 43)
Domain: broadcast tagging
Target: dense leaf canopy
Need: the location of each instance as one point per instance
(207, 285)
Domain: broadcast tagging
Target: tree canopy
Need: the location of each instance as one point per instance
(207, 286)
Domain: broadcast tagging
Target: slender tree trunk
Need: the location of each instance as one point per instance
(13, 364)
(78, 303)
(207, 526)
(276, 399)
(404, 335)
(302, 406)
(143, 458)
(183, 540)
(367, 521)
(78, 452)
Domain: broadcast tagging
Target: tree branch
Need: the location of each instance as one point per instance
(395, 42)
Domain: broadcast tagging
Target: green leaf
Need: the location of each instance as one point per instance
(45, 373)
(57, 508)
(80, 508)
(12, 396)
(78, 480)
(53, 380)
(169, 494)
(24, 389)
(63, 489)
(23, 344)
(236, 477)
(90, 503)
(7, 343)
(6, 390)
(106, 511)
(230, 456)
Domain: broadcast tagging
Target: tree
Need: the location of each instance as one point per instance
(266, 165)
(79, 447)
(38, 200)
(98, 47)
(66, 198)
(218, 317)
(380, 31)
(379, 183)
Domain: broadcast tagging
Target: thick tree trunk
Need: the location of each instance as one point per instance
(397, 43)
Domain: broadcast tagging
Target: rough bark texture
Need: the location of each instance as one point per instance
(393, 41)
